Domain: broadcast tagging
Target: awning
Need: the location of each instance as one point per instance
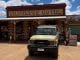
(34, 18)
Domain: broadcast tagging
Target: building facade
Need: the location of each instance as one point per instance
(22, 29)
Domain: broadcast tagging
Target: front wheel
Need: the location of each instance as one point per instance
(54, 54)
(31, 53)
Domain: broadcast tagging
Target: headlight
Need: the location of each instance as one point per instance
(53, 43)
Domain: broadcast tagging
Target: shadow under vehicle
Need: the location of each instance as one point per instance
(39, 58)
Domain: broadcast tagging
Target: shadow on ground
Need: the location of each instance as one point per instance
(15, 42)
(39, 58)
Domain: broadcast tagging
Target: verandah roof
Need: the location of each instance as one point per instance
(34, 18)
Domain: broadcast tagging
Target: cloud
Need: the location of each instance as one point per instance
(77, 12)
(78, 7)
(2, 8)
(14, 3)
(60, 1)
(25, 3)
(2, 4)
(3, 13)
(68, 7)
(41, 4)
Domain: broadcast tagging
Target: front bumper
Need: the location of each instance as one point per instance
(47, 49)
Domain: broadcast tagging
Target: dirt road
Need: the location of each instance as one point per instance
(20, 52)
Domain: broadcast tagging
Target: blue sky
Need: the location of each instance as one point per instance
(72, 6)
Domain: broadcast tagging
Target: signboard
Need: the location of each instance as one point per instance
(36, 10)
(45, 12)
(73, 37)
(73, 40)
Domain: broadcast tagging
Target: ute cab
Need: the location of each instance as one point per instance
(45, 40)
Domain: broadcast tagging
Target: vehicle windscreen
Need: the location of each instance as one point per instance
(46, 31)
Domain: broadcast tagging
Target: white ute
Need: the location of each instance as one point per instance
(45, 40)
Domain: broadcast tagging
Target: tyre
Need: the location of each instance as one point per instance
(54, 54)
(31, 53)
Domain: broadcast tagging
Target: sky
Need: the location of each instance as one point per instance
(72, 6)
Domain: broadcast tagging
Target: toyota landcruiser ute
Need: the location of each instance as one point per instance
(45, 40)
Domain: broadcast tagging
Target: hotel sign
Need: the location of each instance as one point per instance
(28, 13)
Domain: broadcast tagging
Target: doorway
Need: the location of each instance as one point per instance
(4, 34)
(50, 22)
